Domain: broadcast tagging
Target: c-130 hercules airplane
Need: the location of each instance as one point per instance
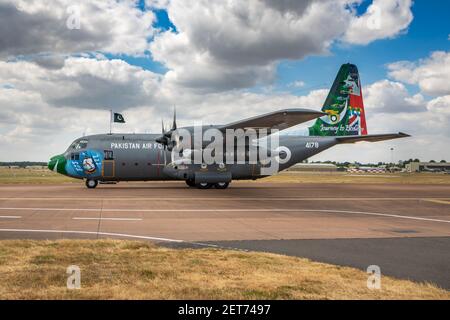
(110, 158)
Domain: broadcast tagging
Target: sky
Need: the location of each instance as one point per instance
(65, 64)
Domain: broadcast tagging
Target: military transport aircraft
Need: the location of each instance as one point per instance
(110, 158)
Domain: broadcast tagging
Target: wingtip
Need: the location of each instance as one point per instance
(404, 135)
(303, 111)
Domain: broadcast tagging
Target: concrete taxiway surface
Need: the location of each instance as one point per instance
(348, 224)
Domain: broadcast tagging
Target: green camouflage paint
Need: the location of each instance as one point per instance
(345, 115)
(58, 164)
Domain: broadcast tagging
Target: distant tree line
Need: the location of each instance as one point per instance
(401, 163)
(22, 164)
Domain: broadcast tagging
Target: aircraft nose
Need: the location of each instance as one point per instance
(51, 163)
(57, 163)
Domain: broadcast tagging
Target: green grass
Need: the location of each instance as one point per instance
(345, 177)
(119, 269)
(32, 176)
(44, 176)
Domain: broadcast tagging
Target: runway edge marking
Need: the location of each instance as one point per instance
(230, 210)
(123, 235)
(230, 199)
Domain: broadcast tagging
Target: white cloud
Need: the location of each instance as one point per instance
(29, 27)
(244, 40)
(392, 97)
(297, 84)
(431, 74)
(383, 19)
(440, 106)
(84, 83)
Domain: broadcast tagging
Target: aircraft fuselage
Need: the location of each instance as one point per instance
(138, 157)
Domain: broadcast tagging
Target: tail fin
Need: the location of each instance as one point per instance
(344, 105)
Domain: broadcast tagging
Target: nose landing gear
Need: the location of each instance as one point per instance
(91, 184)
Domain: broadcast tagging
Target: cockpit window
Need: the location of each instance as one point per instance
(77, 145)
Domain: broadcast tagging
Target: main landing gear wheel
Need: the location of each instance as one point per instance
(91, 184)
(190, 183)
(222, 185)
(204, 185)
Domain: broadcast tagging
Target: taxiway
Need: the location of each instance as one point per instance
(405, 229)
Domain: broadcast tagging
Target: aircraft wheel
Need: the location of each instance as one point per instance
(222, 185)
(190, 183)
(91, 184)
(204, 185)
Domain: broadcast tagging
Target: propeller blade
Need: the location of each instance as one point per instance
(174, 125)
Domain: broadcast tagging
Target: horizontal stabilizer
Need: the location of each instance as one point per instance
(280, 120)
(371, 137)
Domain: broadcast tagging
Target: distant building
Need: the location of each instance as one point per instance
(363, 169)
(428, 166)
(316, 167)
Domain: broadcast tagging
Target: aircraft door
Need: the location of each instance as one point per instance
(108, 165)
(156, 159)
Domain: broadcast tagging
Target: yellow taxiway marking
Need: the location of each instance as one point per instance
(113, 198)
(437, 201)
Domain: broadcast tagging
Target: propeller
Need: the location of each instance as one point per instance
(166, 137)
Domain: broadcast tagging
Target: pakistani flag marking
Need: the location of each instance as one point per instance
(118, 118)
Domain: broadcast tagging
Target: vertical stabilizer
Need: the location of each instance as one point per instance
(344, 106)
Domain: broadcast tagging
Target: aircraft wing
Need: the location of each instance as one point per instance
(280, 120)
(371, 137)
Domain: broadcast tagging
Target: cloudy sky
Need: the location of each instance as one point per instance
(64, 64)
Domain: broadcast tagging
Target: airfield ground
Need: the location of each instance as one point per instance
(400, 222)
(119, 269)
(44, 176)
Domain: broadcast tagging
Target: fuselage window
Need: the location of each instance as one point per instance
(109, 155)
(75, 156)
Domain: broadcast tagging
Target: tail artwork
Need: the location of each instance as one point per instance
(344, 106)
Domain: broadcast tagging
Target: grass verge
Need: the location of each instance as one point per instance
(345, 177)
(43, 176)
(32, 176)
(119, 269)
